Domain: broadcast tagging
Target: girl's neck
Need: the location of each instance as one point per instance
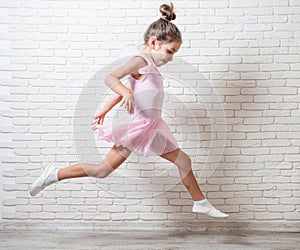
(146, 49)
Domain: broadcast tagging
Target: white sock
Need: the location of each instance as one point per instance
(203, 203)
(52, 178)
(208, 209)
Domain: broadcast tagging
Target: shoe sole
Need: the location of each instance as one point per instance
(205, 211)
(221, 216)
(36, 186)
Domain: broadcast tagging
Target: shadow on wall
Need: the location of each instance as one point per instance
(192, 108)
(254, 156)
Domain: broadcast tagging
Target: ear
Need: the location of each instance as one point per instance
(153, 42)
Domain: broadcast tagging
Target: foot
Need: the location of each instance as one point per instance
(43, 181)
(208, 209)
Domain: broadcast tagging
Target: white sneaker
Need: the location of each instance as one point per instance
(213, 212)
(40, 183)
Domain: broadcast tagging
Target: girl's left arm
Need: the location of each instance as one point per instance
(113, 101)
(113, 80)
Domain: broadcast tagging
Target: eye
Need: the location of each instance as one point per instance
(169, 51)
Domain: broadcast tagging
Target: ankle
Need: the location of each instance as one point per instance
(53, 177)
(200, 201)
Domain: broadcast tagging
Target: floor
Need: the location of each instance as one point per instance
(137, 240)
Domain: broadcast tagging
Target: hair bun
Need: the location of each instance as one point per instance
(167, 12)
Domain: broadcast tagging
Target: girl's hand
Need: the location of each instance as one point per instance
(99, 119)
(128, 103)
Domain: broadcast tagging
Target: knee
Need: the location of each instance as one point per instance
(184, 161)
(102, 171)
(102, 174)
(186, 158)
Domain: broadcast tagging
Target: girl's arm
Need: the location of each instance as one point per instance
(113, 81)
(115, 99)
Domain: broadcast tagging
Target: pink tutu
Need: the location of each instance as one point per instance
(143, 136)
(145, 132)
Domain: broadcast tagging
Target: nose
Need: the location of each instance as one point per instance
(170, 58)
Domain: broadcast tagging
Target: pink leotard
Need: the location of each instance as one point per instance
(144, 132)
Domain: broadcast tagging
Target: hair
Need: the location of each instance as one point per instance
(163, 29)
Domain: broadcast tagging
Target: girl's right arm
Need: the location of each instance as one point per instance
(113, 81)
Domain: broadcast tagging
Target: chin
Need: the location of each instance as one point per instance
(160, 64)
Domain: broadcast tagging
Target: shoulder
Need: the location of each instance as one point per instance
(136, 63)
(139, 61)
(130, 67)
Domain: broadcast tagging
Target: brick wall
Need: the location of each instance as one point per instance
(240, 68)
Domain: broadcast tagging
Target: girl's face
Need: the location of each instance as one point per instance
(162, 52)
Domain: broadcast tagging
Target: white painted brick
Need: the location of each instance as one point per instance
(277, 193)
(43, 201)
(246, 52)
(243, 216)
(68, 215)
(138, 208)
(249, 194)
(289, 201)
(124, 216)
(52, 60)
(238, 201)
(42, 216)
(291, 216)
(211, 68)
(153, 216)
(214, 51)
(182, 216)
(55, 194)
(258, 121)
(14, 215)
(268, 216)
(248, 180)
(55, 208)
(31, 208)
(12, 202)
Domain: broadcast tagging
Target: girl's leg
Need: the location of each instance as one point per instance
(184, 164)
(115, 157)
(112, 161)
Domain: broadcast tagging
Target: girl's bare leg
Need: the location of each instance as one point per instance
(115, 157)
(201, 205)
(112, 161)
(183, 162)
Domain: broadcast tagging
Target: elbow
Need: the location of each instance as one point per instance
(111, 81)
(119, 98)
(107, 80)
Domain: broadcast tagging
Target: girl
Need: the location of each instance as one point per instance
(146, 133)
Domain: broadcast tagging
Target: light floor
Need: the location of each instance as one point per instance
(137, 240)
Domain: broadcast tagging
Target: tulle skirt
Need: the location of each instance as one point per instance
(142, 135)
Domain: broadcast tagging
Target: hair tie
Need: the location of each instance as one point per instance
(165, 19)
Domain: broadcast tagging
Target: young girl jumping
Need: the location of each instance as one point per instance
(146, 133)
